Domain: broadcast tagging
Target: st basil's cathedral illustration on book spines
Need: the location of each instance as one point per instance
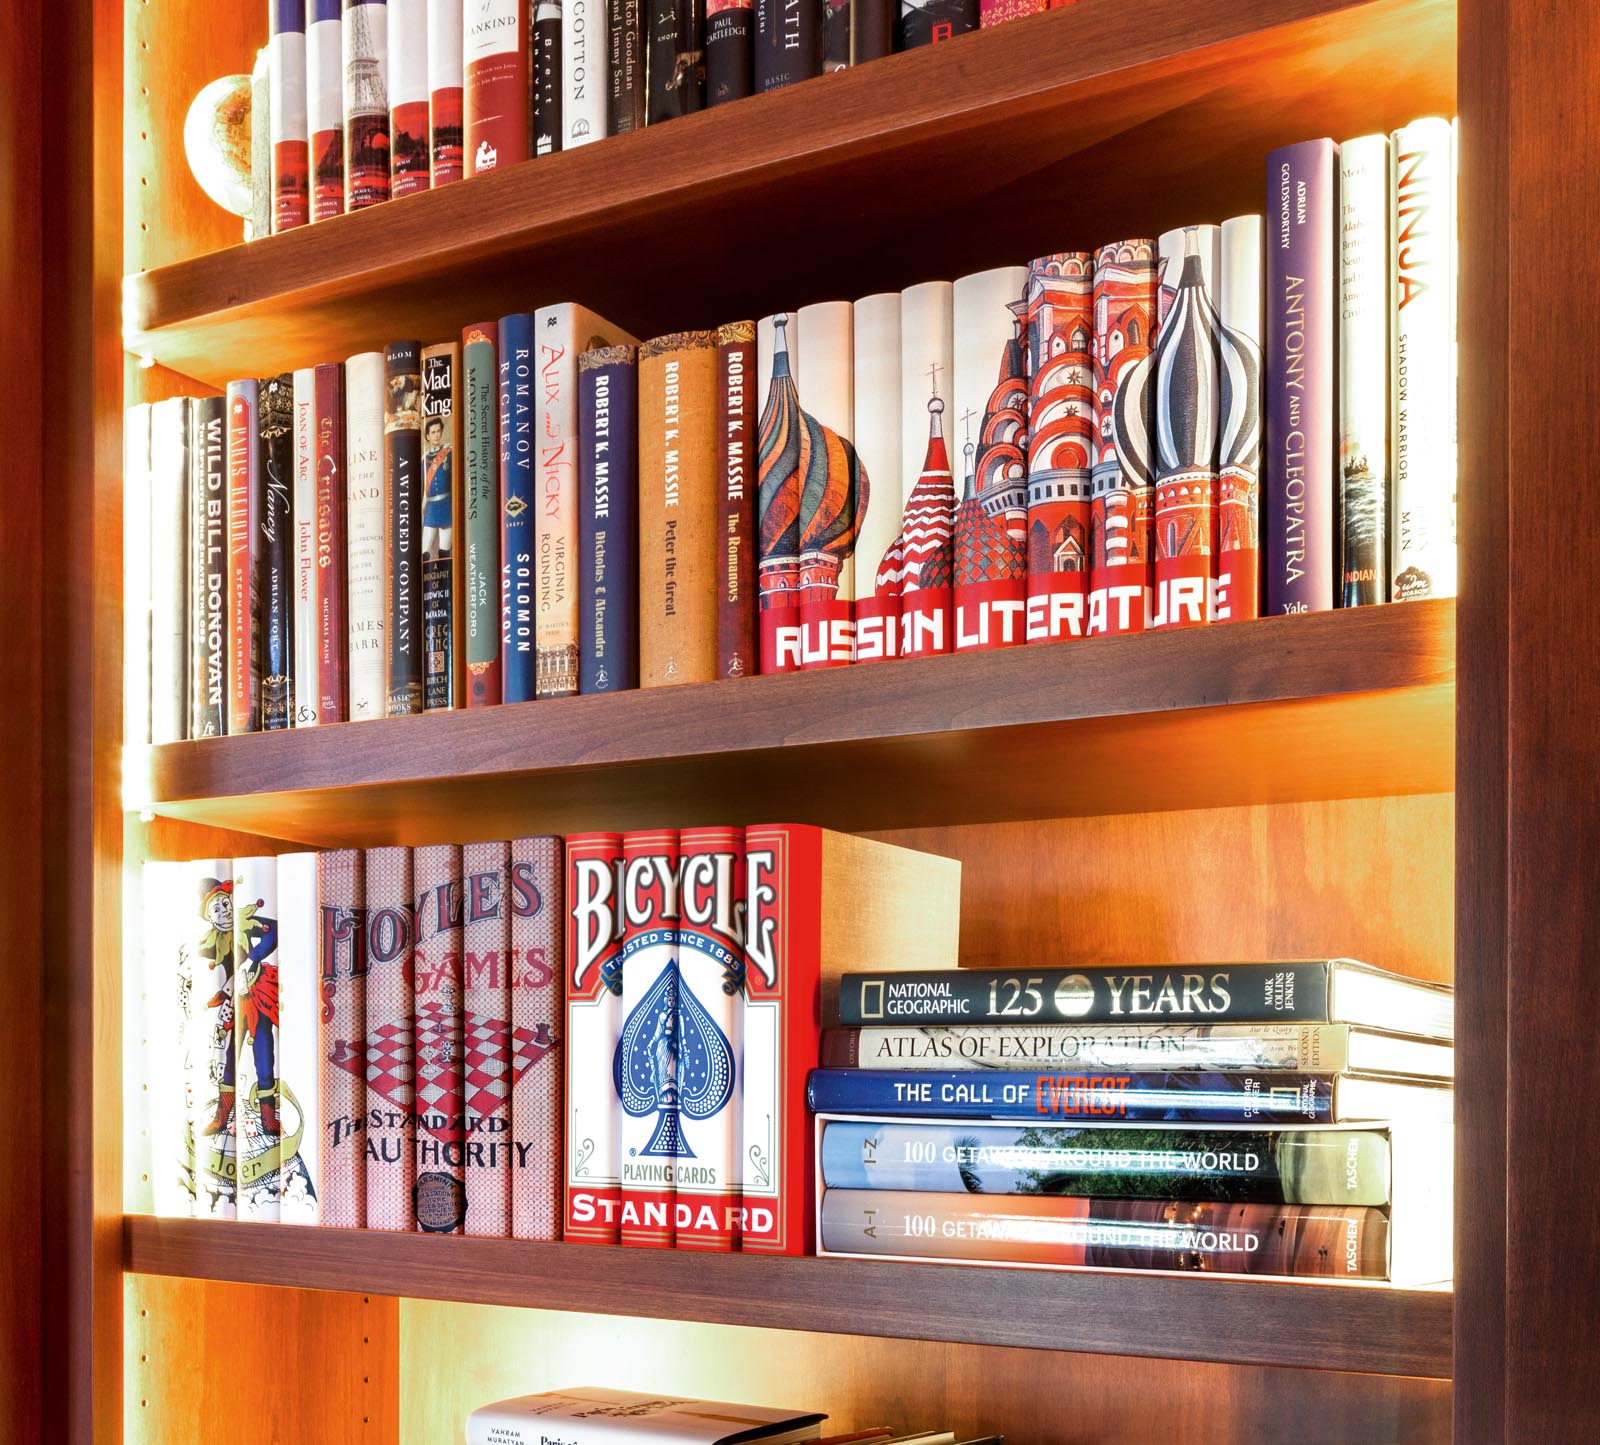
(1123, 476)
(992, 520)
(922, 557)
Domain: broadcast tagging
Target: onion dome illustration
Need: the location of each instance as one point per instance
(1130, 426)
(778, 476)
(891, 570)
(1239, 402)
(833, 500)
(1001, 466)
(1186, 374)
(925, 539)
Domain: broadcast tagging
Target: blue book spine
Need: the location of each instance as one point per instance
(608, 519)
(1188, 1098)
(516, 507)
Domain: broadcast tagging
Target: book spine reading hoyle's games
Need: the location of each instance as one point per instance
(390, 1052)
(495, 56)
(517, 455)
(170, 442)
(325, 107)
(208, 578)
(136, 570)
(778, 489)
(440, 1182)
(275, 516)
(299, 1073)
(537, 938)
(608, 519)
(244, 601)
(544, 90)
(675, 72)
(879, 545)
(207, 920)
(584, 45)
(258, 1102)
(307, 685)
(788, 42)
(402, 451)
(736, 500)
(730, 49)
(342, 1035)
(441, 465)
(625, 92)
(286, 49)
(445, 102)
(1236, 556)
(366, 523)
(332, 619)
(486, 1035)
(366, 103)
(408, 97)
(480, 575)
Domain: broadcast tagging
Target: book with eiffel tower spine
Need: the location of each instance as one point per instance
(440, 1189)
(877, 440)
(365, 45)
(486, 1036)
(258, 1115)
(390, 1052)
(207, 911)
(342, 1036)
(926, 542)
(537, 937)
(300, 1072)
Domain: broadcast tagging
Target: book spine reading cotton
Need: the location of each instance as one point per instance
(440, 1188)
(486, 965)
(584, 42)
(537, 936)
(879, 512)
(390, 1052)
(342, 1036)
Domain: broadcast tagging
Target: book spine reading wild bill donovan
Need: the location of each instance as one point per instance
(170, 439)
(927, 22)
(486, 1035)
(441, 452)
(408, 97)
(544, 93)
(286, 50)
(879, 545)
(299, 1074)
(584, 45)
(366, 523)
(440, 1188)
(402, 441)
(325, 107)
(333, 625)
(366, 103)
(208, 707)
(517, 675)
(276, 413)
(244, 601)
(342, 1036)
(208, 913)
(730, 49)
(593, 982)
(480, 634)
(1272, 1239)
(608, 519)
(445, 122)
(1236, 555)
(778, 488)
(926, 556)
(675, 74)
(1300, 338)
(495, 56)
(390, 1053)
(736, 489)
(258, 1112)
(625, 91)
(307, 685)
(537, 939)
(787, 42)
(136, 590)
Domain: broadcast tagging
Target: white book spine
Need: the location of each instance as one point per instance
(583, 72)
(169, 569)
(1237, 565)
(136, 575)
(324, 78)
(300, 1075)
(408, 52)
(167, 981)
(205, 910)
(364, 523)
(286, 60)
(257, 1117)
(876, 329)
(307, 689)
(444, 45)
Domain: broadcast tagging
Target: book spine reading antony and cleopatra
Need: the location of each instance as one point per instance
(787, 43)
(208, 534)
(365, 524)
(136, 572)
(544, 93)
(927, 22)
(299, 1074)
(445, 121)
(366, 103)
(402, 442)
(486, 1035)
(480, 636)
(675, 74)
(390, 1053)
(625, 91)
(736, 494)
(593, 979)
(342, 1036)
(608, 520)
(441, 453)
(677, 509)
(927, 558)
(876, 326)
(517, 676)
(1273, 1239)
(244, 601)
(325, 107)
(537, 938)
(207, 916)
(258, 1111)
(276, 414)
(440, 1189)
(290, 161)
(1236, 553)
(584, 43)
(170, 439)
(1300, 380)
(333, 627)
(495, 51)
(778, 490)
(307, 685)
(408, 97)
(730, 49)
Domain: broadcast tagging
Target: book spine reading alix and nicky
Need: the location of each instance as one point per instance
(608, 519)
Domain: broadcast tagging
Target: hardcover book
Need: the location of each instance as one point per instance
(876, 326)
(584, 41)
(286, 52)
(736, 484)
(496, 69)
(366, 103)
(168, 991)
(170, 441)
(366, 526)
(675, 73)
(537, 935)
(544, 98)
(445, 103)
(440, 1185)
(608, 519)
(872, 27)
(625, 91)
(1236, 560)
(402, 443)
(332, 619)
(441, 589)
(517, 461)
(300, 1071)
(788, 42)
(136, 572)
(835, 40)
(306, 687)
(486, 965)
(276, 550)
(614, 1417)
(779, 482)
(325, 107)
(480, 637)
(730, 49)
(208, 568)
(927, 22)
(408, 97)
(342, 1036)
(207, 919)
(244, 535)
(258, 1116)
(390, 1051)
(925, 547)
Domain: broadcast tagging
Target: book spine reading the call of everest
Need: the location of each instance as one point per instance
(730, 49)
(927, 22)
(495, 68)
(366, 522)
(486, 1035)
(333, 626)
(625, 89)
(445, 100)
(440, 1177)
(832, 491)
(208, 575)
(276, 519)
(136, 571)
(307, 685)
(675, 73)
(408, 97)
(325, 107)
(366, 103)
(342, 1036)
(517, 454)
(584, 72)
(544, 90)
(259, 1101)
(299, 1072)
(788, 42)
(170, 439)
(286, 50)
(441, 532)
(244, 601)
(390, 1052)
(402, 440)
(736, 493)
(479, 637)
(608, 519)
(537, 939)
(879, 546)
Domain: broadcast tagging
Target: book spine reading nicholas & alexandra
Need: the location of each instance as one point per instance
(480, 574)
(276, 517)
(402, 438)
(441, 487)
(440, 1175)
(608, 519)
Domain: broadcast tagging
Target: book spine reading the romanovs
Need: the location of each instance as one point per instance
(276, 519)
(486, 1035)
(332, 620)
(446, 27)
(325, 107)
(258, 1106)
(208, 575)
(495, 56)
(408, 97)
(286, 50)
(736, 487)
(517, 455)
(207, 921)
(537, 938)
(244, 601)
(342, 1036)
(307, 684)
(366, 603)
(608, 519)
(170, 439)
(876, 326)
(440, 1185)
(441, 489)
(390, 1052)
(402, 443)
(480, 577)
(300, 1072)
(366, 103)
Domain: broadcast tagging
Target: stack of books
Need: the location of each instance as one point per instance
(1242, 1118)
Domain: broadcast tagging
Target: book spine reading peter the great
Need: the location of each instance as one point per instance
(402, 436)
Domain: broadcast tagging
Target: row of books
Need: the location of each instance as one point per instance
(358, 101)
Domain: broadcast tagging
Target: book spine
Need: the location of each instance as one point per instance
(136, 573)
(402, 450)
(584, 43)
(244, 531)
(872, 24)
(730, 49)
(342, 1036)
(258, 1108)
(276, 550)
(170, 439)
(1291, 1166)
(834, 43)
(625, 90)
(366, 103)
(930, 22)
(787, 42)
(879, 510)
(608, 520)
(495, 56)
(481, 605)
(440, 1171)
(486, 1035)
(537, 1046)
(736, 475)
(332, 621)
(1236, 558)
(302, 1187)
(545, 93)
(208, 918)
(675, 70)
(1300, 339)
(208, 709)
(390, 1051)
(259, 222)
(997, 12)
(593, 985)
(516, 503)
(677, 509)
(286, 49)
(555, 528)
(445, 102)
(1257, 1239)
(366, 522)
(307, 684)
(408, 97)
(1423, 376)
(441, 450)
(168, 985)
(927, 553)
(1060, 319)
(1121, 509)
(1187, 424)
(778, 490)
(325, 107)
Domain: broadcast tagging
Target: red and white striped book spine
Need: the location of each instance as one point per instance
(537, 936)
(391, 1056)
(342, 1036)
(325, 107)
(286, 62)
(332, 623)
(778, 481)
(444, 92)
(408, 97)
(1236, 559)
(300, 1072)
(436, 983)
(927, 345)
(244, 609)
(486, 1035)
(258, 1119)
(880, 505)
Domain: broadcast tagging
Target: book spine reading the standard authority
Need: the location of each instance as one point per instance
(480, 576)
(440, 1187)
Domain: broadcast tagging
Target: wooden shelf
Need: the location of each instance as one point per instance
(1319, 1326)
(1330, 705)
(1065, 129)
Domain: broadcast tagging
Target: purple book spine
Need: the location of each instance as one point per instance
(1297, 535)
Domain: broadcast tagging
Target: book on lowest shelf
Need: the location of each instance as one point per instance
(589, 1415)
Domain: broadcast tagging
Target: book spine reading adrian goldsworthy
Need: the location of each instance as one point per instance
(876, 327)
(325, 107)
(286, 51)
(736, 487)
(342, 1036)
(440, 1188)
(307, 686)
(517, 676)
(486, 965)
(366, 103)
(402, 442)
(537, 937)
(208, 598)
(390, 1052)
(480, 634)
(441, 586)
(333, 626)
(408, 97)
(495, 56)
(244, 601)
(608, 519)
(276, 515)
(365, 524)
(445, 123)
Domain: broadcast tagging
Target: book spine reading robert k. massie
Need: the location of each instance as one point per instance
(730, 49)
(879, 545)
(258, 1104)
(1236, 555)
(537, 936)
(390, 1052)
(276, 517)
(927, 532)
(366, 103)
(517, 454)
(778, 488)
(170, 440)
(207, 919)
(300, 1074)
(307, 685)
(208, 588)
(608, 519)
(584, 45)
(441, 490)
(486, 965)
(445, 104)
(495, 56)
(788, 42)
(479, 637)
(366, 523)
(402, 440)
(332, 620)
(736, 505)
(342, 1036)
(675, 71)
(325, 107)
(440, 1185)
(544, 88)
(244, 601)
(408, 97)
(593, 983)
(286, 50)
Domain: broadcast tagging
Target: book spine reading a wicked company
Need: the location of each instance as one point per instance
(244, 602)
(1236, 557)
(879, 545)
(584, 72)
(1301, 327)
(778, 488)
(927, 22)
(332, 627)
(170, 438)
(593, 978)
(408, 97)
(486, 1036)
(441, 453)
(342, 1036)
(730, 49)
(537, 938)
(365, 525)
(495, 55)
(325, 107)
(517, 676)
(366, 103)
(276, 515)
(675, 70)
(402, 440)
(287, 81)
(258, 1113)
(677, 509)
(307, 685)
(788, 42)
(136, 573)
(544, 93)
(445, 124)
(440, 1195)
(480, 576)
(736, 492)
(299, 1072)
(207, 914)
(390, 1053)
(927, 557)
(608, 519)
(625, 90)
(208, 704)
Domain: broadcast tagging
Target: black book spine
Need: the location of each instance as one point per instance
(625, 91)
(439, 453)
(402, 456)
(927, 22)
(730, 49)
(836, 23)
(676, 76)
(545, 91)
(871, 29)
(788, 42)
(208, 591)
(608, 520)
(276, 587)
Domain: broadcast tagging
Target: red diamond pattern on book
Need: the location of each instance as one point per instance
(484, 1042)
(389, 1063)
(438, 1072)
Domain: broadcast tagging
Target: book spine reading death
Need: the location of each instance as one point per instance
(408, 97)
(517, 677)
(366, 522)
(625, 97)
(208, 710)
(390, 1052)
(307, 684)
(495, 56)
(333, 628)
(537, 937)
(544, 93)
(608, 520)
(342, 1036)
(366, 103)
(325, 107)
(879, 545)
(276, 515)
(486, 1035)
(675, 74)
(1236, 559)
(440, 1187)
(402, 439)
(170, 440)
(584, 42)
(926, 544)
(286, 49)
(736, 492)
(787, 42)
(730, 49)
(441, 451)
(258, 1115)
(300, 1077)
(481, 503)
(208, 903)
(445, 121)
(244, 601)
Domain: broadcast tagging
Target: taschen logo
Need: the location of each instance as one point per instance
(486, 156)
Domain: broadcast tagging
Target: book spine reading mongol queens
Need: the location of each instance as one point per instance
(170, 439)
(593, 984)
(608, 519)
(325, 107)
(136, 572)
(408, 97)
(287, 71)
(544, 91)
(479, 637)
(778, 486)
(925, 546)
(927, 22)
(258, 1108)
(445, 123)
(991, 434)
(402, 442)
(486, 1035)
(342, 1035)
(495, 52)
(276, 515)
(675, 72)
(208, 704)
(441, 488)
(244, 602)
(736, 509)
(625, 90)
(307, 684)
(333, 625)
(366, 521)
(730, 49)
(537, 938)
(300, 1074)
(876, 327)
(440, 1187)
(1298, 523)
(584, 45)
(390, 1052)
(517, 453)
(208, 902)
(788, 42)
(1236, 556)
(366, 103)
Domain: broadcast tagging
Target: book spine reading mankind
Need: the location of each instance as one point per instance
(325, 107)
(365, 525)
(402, 437)
(342, 1036)
(441, 461)
(608, 520)
(517, 673)
(495, 67)
(286, 50)
(390, 1051)
(486, 1035)
(481, 504)
(365, 40)
(276, 513)
(445, 102)
(408, 97)
(244, 602)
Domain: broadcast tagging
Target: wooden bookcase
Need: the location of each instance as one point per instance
(1414, 785)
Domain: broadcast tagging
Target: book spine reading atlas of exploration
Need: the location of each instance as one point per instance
(325, 107)
(544, 90)
(276, 514)
(736, 492)
(675, 73)
(136, 570)
(390, 1053)
(778, 489)
(625, 92)
(366, 524)
(244, 532)
(486, 965)
(207, 886)
(495, 65)
(608, 519)
(333, 623)
(208, 533)
(408, 97)
(342, 1035)
(286, 50)
(300, 1076)
(307, 684)
(441, 488)
(258, 1106)
(440, 1176)
(788, 42)
(479, 637)
(584, 46)
(537, 938)
(730, 49)
(402, 442)
(517, 455)
(926, 544)
(445, 101)
(366, 103)
(879, 545)
(1236, 555)
(170, 440)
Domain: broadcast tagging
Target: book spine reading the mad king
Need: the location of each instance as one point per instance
(342, 1036)
(778, 490)
(675, 72)
(366, 522)
(299, 1072)
(136, 573)
(879, 544)
(307, 685)
(286, 49)
(445, 124)
(593, 982)
(1236, 554)
(926, 544)
(480, 578)
(170, 440)
(208, 532)
(1300, 379)
(495, 55)
(333, 625)
(402, 441)
(584, 43)
(927, 22)
(736, 496)
(517, 454)
(788, 42)
(276, 518)
(544, 92)
(408, 97)
(244, 602)
(625, 91)
(608, 519)
(538, 934)
(325, 107)
(486, 1036)
(207, 918)
(366, 103)
(730, 49)
(441, 452)
(440, 1188)
(390, 1052)
(258, 1111)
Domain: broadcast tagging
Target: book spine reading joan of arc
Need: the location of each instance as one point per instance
(402, 440)
(208, 534)
(366, 103)
(171, 436)
(390, 1052)
(445, 120)
(244, 601)
(207, 917)
(736, 489)
(333, 625)
(626, 91)
(1236, 555)
(342, 1036)
(440, 1185)
(544, 93)
(788, 42)
(366, 522)
(486, 1035)
(537, 938)
(927, 533)
(441, 464)
(480, 635)
(325, 107)
(276, 416)
(779, 481)
(258, 1115)
(584, 43)
(408, 97)
(730, 49)
(307, 684)
(608, 520)
(876, 327)
(675, 73)
(299, 1074)
(495, 63)
(290, 159)
(517, 674)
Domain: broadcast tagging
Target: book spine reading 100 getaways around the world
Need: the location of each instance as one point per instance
(1251, 418)
(688, 1038)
